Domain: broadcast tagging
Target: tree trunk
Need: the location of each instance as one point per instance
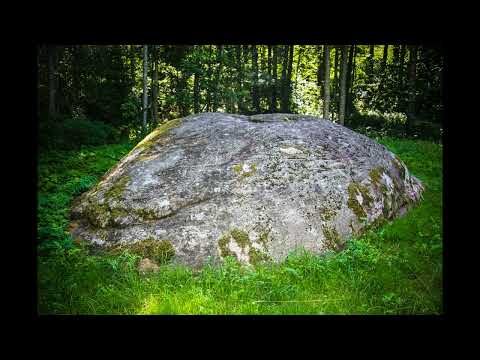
(320, 69)
(384, 58)
(240, 107)
(289, 78)
(326, 88)
(348, 105)
(273, 104)
(283, 90)
(216, 102)
(269, 62)
(401, 75)
(263, 60)
(145, 70)
(371, 61)
(335, 86)
(297, 70)
(412, 77)
(132, 64)
(396, 55)
(76, 68)
(343, 86)
(352, 87)
(52, 80)
(196, 92)
(255, 96)
(155, 86)
(401, 63)
(383, 75)
(209, 75)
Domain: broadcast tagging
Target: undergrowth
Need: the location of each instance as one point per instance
(395, 269)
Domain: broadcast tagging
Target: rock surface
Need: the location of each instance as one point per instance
(253, 187)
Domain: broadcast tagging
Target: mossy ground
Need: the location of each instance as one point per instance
(394, 269)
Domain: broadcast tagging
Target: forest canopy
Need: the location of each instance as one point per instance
(124, 90)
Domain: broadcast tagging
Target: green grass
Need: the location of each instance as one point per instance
(395, 269)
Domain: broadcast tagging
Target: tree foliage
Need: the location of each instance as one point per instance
(103, 83)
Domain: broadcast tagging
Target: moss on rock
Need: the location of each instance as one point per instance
(376, 175)
(397, 162)
(332, 238)
(239, 170)
(162, 251)
(353, 203)
(256, 256)
(242, 239)
(156, 134)
(327, 214)
(116, 190)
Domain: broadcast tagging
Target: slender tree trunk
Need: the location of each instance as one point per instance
(412, 77)
(396, 56)
(383, 75)
(216, 101)
(269, 62)
(196, 93)
(76, 72)
(352, 87)
(371, 61)
(209, 75)
(132, 64)
(263, 60)
(297, 69)
(401, 63)
(289, 78)
(273, 104)
(348, 105)
(239, 79)
(155, 85)
(52, 81)
(283, 97)
(145, 70)
(326, 88)
(334, 94)
(384, 58)
(255, 95)
(320, 69)
(230, 84)
(401, 76)
(343, 86)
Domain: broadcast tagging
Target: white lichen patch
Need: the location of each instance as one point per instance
(246, 168)
(290, 150)
(199, 216)
(388, 181)
(359, 198)
(240, 254)
(164, 203)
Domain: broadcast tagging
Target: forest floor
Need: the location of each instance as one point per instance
(394, 269)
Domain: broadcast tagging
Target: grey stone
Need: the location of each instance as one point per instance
(256, 188)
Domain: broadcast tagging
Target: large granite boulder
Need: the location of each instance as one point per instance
(254, 187)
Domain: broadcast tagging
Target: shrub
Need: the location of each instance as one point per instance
(72, 133)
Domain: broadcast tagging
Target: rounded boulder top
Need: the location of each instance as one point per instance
(213, 185)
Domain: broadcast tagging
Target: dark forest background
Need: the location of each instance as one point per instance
(97, 94)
